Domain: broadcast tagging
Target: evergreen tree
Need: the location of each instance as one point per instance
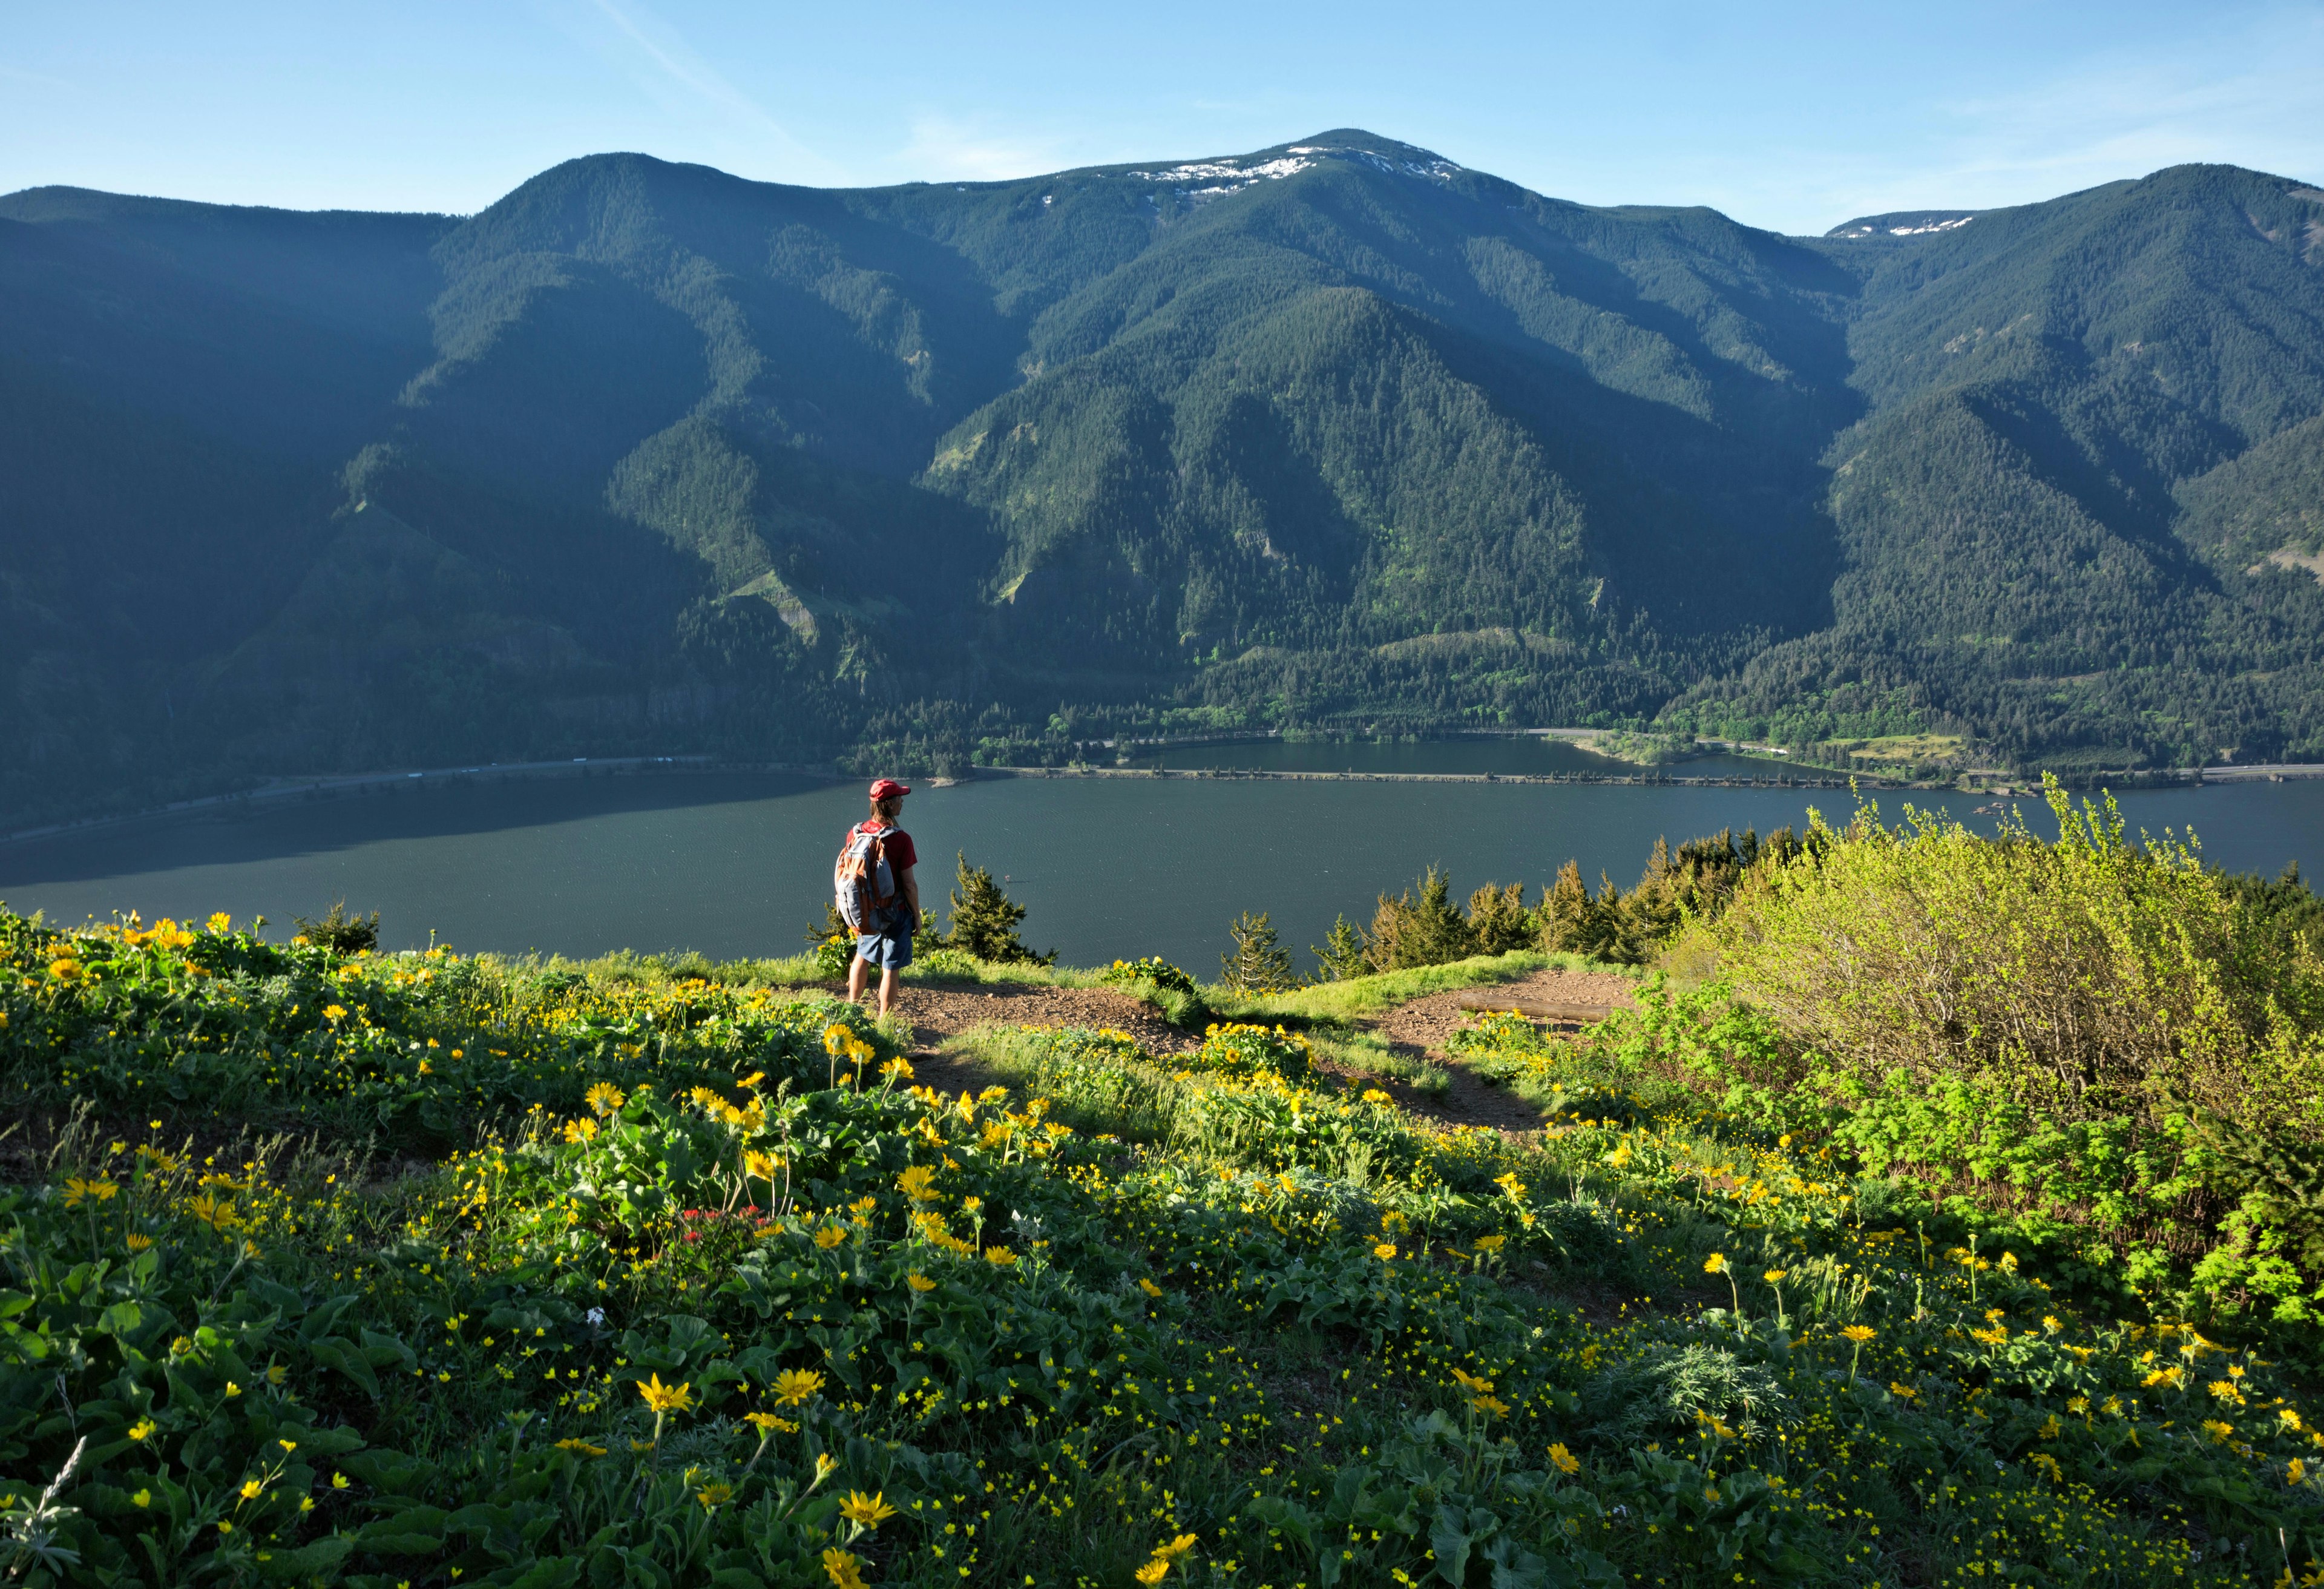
(1427, 931)
(985, 920)
(1343, 954)
(1499, 920)
(1257, 963)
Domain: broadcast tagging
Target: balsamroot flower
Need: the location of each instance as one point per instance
(1562, 1460)
(865, 1511)
(77, 1191)
(796, 1387)
(603, 1098)
(667, 1398)
(1859, 1334)
(917, 1183)
(843, 1570)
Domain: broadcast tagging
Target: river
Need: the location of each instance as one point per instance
(738, 865)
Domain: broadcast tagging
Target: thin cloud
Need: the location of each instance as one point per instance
(660, 58)
(943, 150)
(2108, 120)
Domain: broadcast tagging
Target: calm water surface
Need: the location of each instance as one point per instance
(738, 865)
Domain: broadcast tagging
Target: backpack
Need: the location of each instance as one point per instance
(862, 884)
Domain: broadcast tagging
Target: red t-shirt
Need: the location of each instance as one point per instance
(900, 852)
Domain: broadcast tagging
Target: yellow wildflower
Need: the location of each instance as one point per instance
(866, 1511)
(795, 1387)
(667, 1398)
(919, 1282)
(1562, 1460)
(77, 1191)
(845, 1571)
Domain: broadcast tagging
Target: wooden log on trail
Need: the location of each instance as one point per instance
(1535, 1009)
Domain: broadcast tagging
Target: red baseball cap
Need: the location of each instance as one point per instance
(888, 789)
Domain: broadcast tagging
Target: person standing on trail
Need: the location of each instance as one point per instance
(877, 894)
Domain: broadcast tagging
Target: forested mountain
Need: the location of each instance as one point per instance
(1335, 434)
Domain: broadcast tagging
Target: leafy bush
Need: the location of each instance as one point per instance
(339, 932)
(1165, 986)
(1160, 973)
(2095, 1035)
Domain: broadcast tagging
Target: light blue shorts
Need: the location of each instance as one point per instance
(891, 948)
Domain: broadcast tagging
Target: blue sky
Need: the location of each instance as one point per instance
(1792, 116)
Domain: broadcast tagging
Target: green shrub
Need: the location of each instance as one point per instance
(1151, 969)
(339, 932)
(2092, 1034)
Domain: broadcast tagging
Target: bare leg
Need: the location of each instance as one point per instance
(857, 969)
(887, 991)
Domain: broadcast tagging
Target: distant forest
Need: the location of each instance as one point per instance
(1335, 437)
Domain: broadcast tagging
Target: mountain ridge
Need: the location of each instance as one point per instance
(937, 472)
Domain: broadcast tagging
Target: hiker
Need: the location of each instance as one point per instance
(877, 894)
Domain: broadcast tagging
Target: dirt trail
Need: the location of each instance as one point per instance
(1418, 1030)
(1421, 1029)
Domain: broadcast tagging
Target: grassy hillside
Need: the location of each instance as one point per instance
(1332, 435)
(420, 1268)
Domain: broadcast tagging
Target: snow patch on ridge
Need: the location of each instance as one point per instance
(1869, 229)
(1205, 179)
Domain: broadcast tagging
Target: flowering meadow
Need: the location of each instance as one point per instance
(425, 1269)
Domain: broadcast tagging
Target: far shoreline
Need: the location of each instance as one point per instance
(1781, 775)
